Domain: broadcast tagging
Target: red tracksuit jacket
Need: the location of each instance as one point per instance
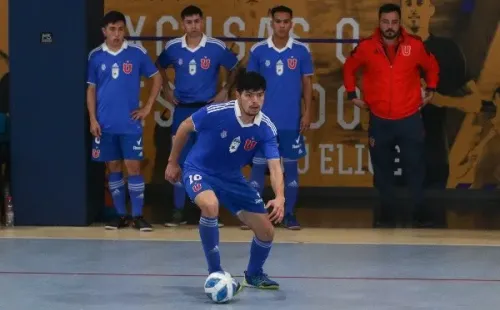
(391, 90)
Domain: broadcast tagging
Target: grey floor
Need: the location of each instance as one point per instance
(91, 274)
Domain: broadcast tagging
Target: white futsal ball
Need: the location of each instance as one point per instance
(220, 287)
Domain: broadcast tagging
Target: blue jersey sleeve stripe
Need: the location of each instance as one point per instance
(172, 42)
(269, 123)
(94, 51)
(235, 65)
(257, 45)
(219, 109)
(302, 44)
(155, 73)
(232, 102)
(139, 47)
(219, 105)
(217, 42)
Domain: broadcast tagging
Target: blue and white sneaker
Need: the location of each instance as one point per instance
(260, 280)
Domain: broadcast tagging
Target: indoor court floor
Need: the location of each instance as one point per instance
(90, 268)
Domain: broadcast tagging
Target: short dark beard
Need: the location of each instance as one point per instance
(395, 35)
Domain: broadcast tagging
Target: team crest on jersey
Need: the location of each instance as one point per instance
(115, 71)
(197, 187)
(205, 63)
(180, 62)
(192, 67)
(249, 144)
(103, 67)
(127, 68)
(279, 67)
(223, 134)
(268, 63)
(406, 50)
(292, 63)
(96, 153)
(235, 144)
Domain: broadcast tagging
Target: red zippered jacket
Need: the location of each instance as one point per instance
(391, 90)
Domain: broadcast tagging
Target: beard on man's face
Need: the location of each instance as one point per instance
(390, 34)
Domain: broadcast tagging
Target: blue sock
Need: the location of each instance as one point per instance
(258, 174)
(179, 196)
(136, 191)
(259, 251)
(291, 168)
(209, 234)
(116, 187)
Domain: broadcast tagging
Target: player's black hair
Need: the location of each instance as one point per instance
(280, 9)
(112, 17)
(249, 81)
(388, 8)
(191, 10)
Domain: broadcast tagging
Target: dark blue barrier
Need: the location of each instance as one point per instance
(53, 182)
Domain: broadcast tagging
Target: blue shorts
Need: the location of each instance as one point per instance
(234, 194)
(290, 144)
(181, 113)
(111, 147)
(187, 148)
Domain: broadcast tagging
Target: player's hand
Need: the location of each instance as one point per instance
(169, 95)
(278, 211)
(359, 103)
(305, 122)
(95, 128)
(173, 173)
(141, 113)
(222, 96)
(428, 97)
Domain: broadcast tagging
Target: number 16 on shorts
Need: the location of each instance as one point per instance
(194, 182)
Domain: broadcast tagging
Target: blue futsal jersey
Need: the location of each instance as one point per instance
(196, 70)
(117, 78)
(224, 144)
(283, 70)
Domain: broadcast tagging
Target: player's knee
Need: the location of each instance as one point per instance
(114, 166)
(133, 167)
(210, 209)
(265, 232)
(208, 204)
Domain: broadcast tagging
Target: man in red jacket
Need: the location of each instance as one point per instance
(392, 62)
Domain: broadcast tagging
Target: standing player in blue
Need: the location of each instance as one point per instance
(196, 59)
(287, 66)
(114, 75)
(229, 134)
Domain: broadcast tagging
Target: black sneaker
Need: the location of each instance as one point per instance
(177, 219)
(290, 222)
(117, 223)
(140, 223)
